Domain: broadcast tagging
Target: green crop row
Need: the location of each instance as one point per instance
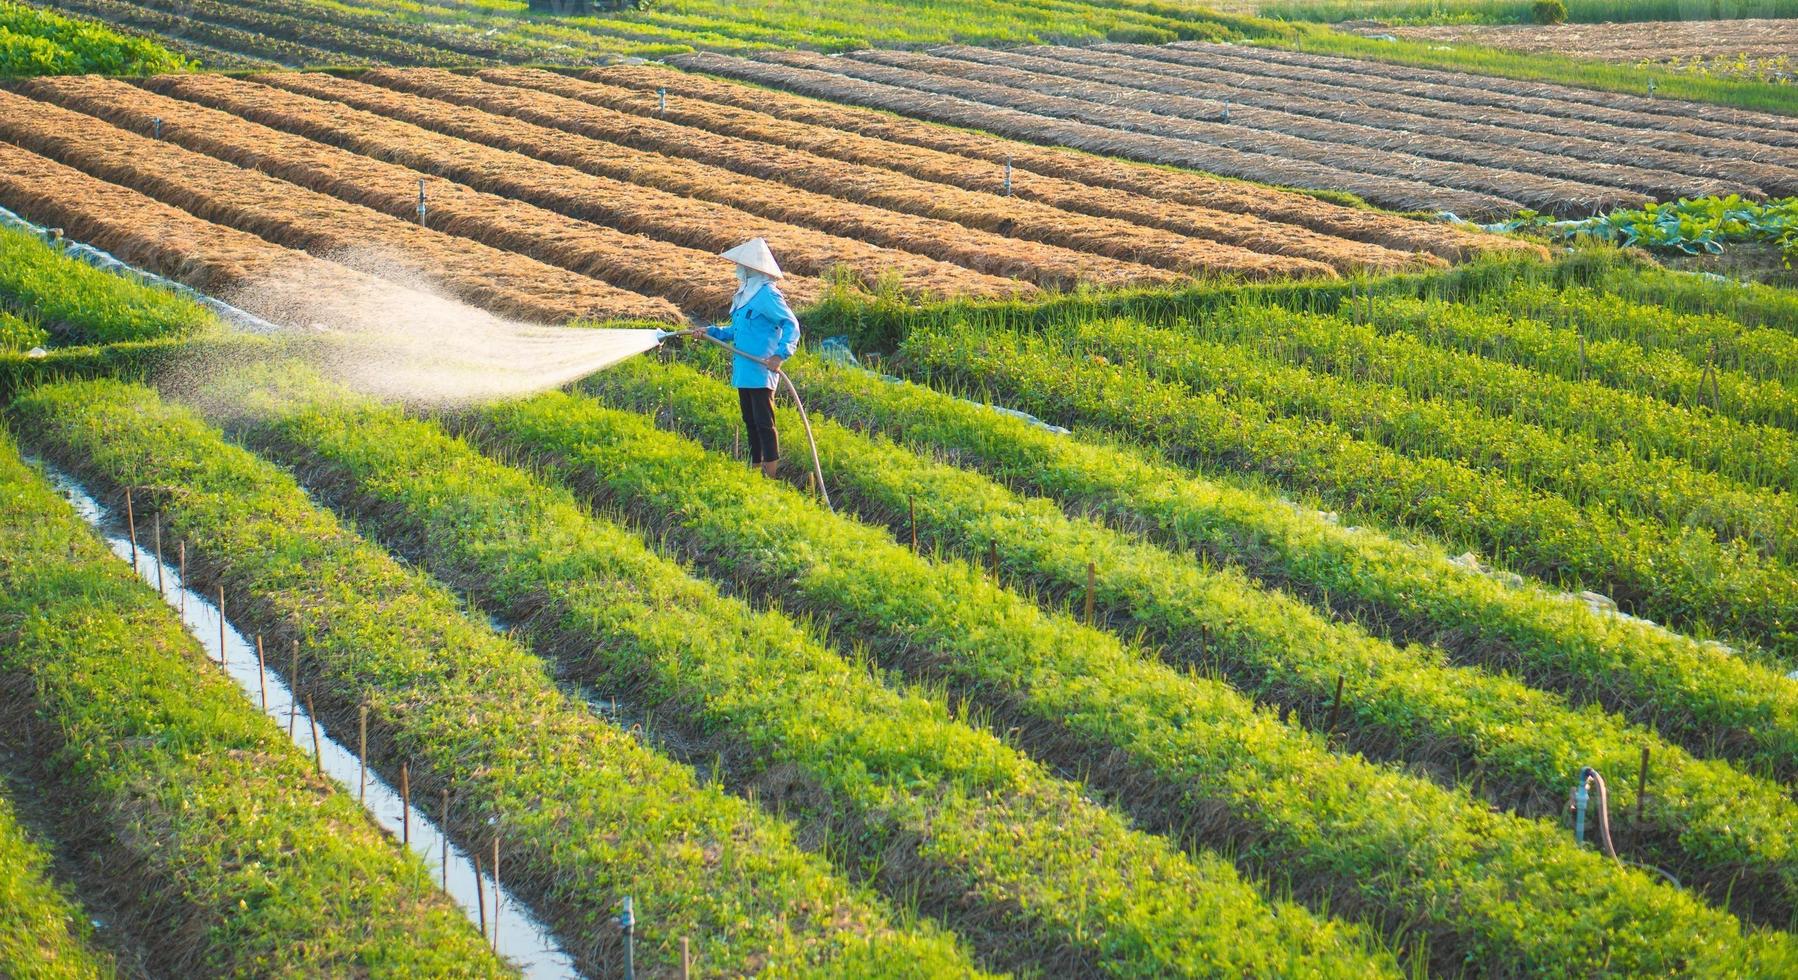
(43, 933)
(996, 840)
(1591, 445)
(1681, 575)
(41, 42)
(1700, 696)
(239, 858)
(1686, 378)
(586, 813)
(79, 304)
(1720, 338)
(1403, 703)
(1183, 752)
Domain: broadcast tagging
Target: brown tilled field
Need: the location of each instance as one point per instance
(552, 197)
(1766, 46)
(1403, 138)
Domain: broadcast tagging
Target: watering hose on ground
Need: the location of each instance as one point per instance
(1580, 798)
(817, 467)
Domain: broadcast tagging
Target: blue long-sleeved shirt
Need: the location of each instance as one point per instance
(764, 326)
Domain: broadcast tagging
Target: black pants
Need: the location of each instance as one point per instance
(758, 422)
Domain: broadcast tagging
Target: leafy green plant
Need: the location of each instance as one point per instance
(1512, 894)
(1402, 702)
(1676, 574)
(588, 813)
(1694, 693)
(1694, 226)
(888, 773)
(236, 857)
(41, 42)
(1548, 11)
(17, 334)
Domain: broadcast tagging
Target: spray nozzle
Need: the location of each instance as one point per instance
(662, 335)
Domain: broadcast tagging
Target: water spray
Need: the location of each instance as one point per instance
(811, 440)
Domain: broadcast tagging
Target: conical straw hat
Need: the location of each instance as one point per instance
(754, 254)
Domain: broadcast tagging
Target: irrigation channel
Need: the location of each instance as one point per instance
(518, 936)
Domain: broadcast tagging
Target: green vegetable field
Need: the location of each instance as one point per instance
(1245, 505)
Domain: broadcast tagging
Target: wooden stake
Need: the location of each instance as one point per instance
(1092, 578)
(911, 504)
(480, 894)
(1335, 706)
(181, 548)
(156, 519)
(262, 673)
(293, 687)
(686, 959)
(318, 756)
(496, 891)
(221, 625)
(405, 804)
(1642, 785)
(362, 753)
(443, 832)
(992, 557)
(131, 528)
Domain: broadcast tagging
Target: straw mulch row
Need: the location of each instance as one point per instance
(1298, 137)
(1216, 147)
(1243, 230)
(553, 100)
(689, 278)
(152, 235)
(1457, 97)
(1550, 99)
(1284, 207)
(632, 170)
(290, 215)
(1361, 125)
(627, 207)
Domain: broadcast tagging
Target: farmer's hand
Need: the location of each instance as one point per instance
(773, 362)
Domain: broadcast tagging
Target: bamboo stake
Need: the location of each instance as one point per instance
(1642, 785)
(992, 557)
(496, 891)
(911, 504)
(262, 673)
(131, 528)
(405, 804)
(221, 625)
(1335, 706)
(362, 753)
(318, 755)
(1092, 576)
(686, 959)
(480, 894)
(181, 548)
(156, 519)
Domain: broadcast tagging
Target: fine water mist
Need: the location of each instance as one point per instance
(390, 334)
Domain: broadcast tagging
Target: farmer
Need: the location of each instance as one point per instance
(764, 328)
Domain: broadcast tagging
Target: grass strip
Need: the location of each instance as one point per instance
(1679, 575)
(941, 810)
(239, 858)
(1586, 443)
(1464, 884)
(587, 813)
(1696, 694)
(1520, 745)
(43, 933)
(79, 304)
